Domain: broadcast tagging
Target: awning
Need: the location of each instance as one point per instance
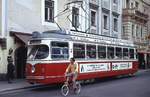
(24, 37)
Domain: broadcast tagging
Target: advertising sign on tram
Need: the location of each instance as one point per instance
(121, 65)
(94, 67)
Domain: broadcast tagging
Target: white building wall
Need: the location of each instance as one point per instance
(0, 17)
(112, 9)
(27, 16)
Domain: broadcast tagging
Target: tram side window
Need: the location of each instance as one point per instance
(60, 50)
(79, 50)
(118, 53)
(110, 52)
(131, 53)
(125, 53)
(102, 52)
(91, 51)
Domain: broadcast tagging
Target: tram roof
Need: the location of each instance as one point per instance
(76, 36)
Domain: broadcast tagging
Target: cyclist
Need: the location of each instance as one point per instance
(73, 70)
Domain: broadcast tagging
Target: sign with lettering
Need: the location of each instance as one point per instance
(94, 67)
(122, 65)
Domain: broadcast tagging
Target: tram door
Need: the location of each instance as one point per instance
(20, 61)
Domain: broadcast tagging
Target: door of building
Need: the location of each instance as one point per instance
(20, 61)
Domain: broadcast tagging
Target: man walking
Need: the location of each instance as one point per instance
(10, 66)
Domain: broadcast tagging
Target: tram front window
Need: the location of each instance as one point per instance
(38, 52)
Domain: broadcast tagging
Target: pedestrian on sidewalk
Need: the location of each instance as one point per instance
(10, 66)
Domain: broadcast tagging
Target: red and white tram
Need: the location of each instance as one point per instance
(97, 56)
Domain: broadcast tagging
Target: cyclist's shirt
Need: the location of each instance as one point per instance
(72, 68)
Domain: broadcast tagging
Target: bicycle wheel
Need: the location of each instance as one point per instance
(64, 90)
(78, 88)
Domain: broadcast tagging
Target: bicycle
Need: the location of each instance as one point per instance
(67, 86)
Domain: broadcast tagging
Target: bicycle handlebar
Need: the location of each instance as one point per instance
(69, 74)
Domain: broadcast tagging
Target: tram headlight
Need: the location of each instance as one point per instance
(33, 69)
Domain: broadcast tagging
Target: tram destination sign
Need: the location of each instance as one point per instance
(98, 39)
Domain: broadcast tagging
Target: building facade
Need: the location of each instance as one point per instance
(19, 18)
(135, 28)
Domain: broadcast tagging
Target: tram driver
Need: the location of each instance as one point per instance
(73, 70)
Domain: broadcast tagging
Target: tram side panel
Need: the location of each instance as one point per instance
(123, 68)
(100, 70)
(50, 73)
(55, 72)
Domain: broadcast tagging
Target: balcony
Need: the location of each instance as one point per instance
(75, 1)
(95, 2)
(115, 8)
(133, 12)
(106, 4)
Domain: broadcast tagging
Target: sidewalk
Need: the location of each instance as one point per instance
(23, 84)
(15, 85)
(143, 70)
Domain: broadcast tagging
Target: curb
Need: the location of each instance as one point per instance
(20, 88)
(146, 70)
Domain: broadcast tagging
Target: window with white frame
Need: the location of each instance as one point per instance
(115, 25)
(127, 3)
(137, 31)
(136, 4)
(132, 30)
(115, 1)
(105, 23)
(75, 17)
(93, 18)
(141, 32)
(49, 11)
(132, 6)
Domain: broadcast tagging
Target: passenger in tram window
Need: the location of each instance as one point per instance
(126, 57)
(87, 57)
(116, 57)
